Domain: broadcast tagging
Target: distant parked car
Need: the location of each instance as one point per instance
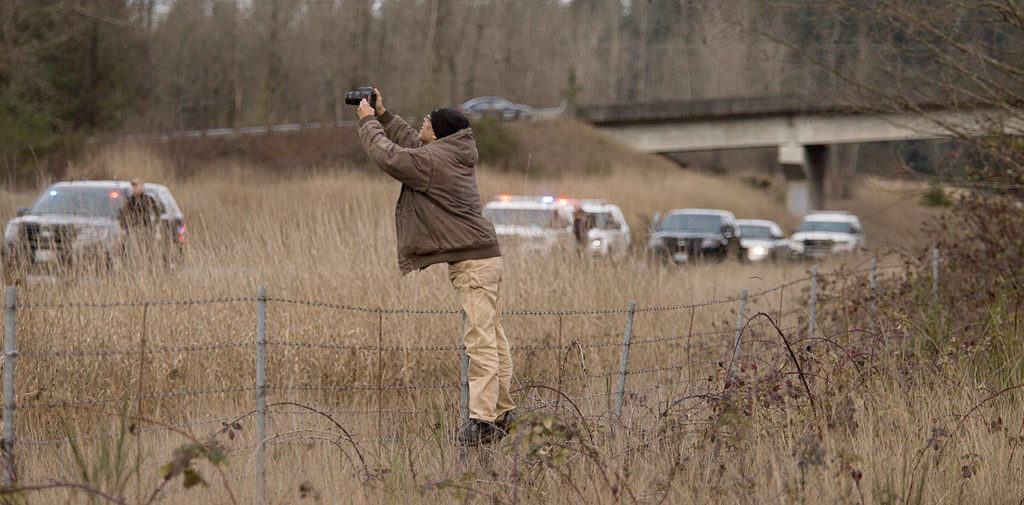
(684, 235)
(496, 107)
(762, 239)
(78, 224)
(824, 233)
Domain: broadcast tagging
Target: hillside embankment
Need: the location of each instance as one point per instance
(563, 157)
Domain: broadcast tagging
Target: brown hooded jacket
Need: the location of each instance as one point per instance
(438, 218)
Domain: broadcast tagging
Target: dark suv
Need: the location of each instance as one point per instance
(77, 224)
(684, 235)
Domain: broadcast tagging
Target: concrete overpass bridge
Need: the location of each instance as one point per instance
(802, 131)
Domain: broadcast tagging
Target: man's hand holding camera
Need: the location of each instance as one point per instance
(375, 106)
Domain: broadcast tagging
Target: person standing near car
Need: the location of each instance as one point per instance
(582, 222)
(439, 219)
(140, 221)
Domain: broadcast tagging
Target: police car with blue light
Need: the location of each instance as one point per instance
(539, 224)
(77, 224)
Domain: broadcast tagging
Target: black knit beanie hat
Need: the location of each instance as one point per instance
(446, 121)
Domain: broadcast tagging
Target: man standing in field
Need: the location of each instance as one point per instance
(140, 221)
(439, 219)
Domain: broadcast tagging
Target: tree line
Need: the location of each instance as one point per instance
(74, 68)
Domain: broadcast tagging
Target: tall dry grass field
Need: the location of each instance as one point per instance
(363, 364)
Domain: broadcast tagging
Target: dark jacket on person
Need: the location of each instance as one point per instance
(140, 211)
(439, 215)
(582, 222)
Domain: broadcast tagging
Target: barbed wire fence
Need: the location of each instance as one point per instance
(598, 394)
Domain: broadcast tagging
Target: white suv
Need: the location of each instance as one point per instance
(828, 232)
(609, 235)
(545, 223)
(531, 223)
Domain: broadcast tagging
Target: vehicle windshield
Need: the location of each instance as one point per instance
(696, 223)
(827, 226)
(92, 201)
(541, 218)
(753, 231)
(605, 221)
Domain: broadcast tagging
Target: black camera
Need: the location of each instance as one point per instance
(354, 97)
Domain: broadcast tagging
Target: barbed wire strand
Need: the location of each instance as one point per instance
(408, 311)
(131, 352)
(147, 396)
(112, 434)
(65, 305)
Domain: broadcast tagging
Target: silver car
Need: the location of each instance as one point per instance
(496, 107)
(761, 240)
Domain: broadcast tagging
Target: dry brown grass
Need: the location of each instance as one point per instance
(122, 160)
(329, 237)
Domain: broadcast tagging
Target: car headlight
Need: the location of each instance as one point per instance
(654, 243)
(797, 246)
(757, 252)
(708, 243)
(11, 232)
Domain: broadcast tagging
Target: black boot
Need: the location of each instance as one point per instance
(477, 432)
(504, 423)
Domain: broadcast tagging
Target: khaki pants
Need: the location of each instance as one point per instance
(478, 284)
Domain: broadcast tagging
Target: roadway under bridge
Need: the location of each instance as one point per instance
(801, 131)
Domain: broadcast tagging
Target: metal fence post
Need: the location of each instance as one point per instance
(935, 275)
(740, 319)
(10, 354)
(625, 360)
(814, 299)
(261, 393)
(874, 289)
(380, 381)
(464, 393)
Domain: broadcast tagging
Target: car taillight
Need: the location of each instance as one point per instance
(181, 234)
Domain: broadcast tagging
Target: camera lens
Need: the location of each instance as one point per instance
(354, 97)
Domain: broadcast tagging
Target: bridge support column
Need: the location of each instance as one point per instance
(804, 169)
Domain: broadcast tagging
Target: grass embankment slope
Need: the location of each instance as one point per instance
(560, 157)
